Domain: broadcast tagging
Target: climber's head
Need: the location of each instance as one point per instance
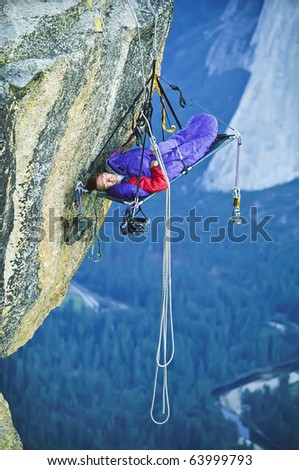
(105, 180)
(101, 182)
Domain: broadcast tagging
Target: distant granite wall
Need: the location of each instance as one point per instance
(70, 70)
(267, 114)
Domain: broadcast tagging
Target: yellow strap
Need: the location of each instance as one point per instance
(172, 128)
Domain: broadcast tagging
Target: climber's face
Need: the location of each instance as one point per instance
(105, 181)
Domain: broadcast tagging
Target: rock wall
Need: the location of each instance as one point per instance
(9, 438)
(70, 70)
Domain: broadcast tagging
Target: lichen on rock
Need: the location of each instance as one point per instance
(70, 70)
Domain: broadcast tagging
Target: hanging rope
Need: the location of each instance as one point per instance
(162, 359)
(166, 321)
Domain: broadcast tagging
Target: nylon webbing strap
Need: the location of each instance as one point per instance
(168, 103)
(164, 112)
(182, 100)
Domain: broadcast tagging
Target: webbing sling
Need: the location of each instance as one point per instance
(161, 90)
(164, 112)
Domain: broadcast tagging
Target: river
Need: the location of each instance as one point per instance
(229, 397)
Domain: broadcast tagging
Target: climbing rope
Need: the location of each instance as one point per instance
(166, 320)
(162, 362)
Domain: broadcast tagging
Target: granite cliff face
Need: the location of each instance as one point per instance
(70, 70)
(9, 438)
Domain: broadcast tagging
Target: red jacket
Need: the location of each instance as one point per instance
(157, 182)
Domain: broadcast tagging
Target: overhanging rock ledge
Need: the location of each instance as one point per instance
(70, 69)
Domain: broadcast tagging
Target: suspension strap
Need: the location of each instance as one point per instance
(161, 90)
(236, 192)
(182, 101)
(239, 143)
(164, 111)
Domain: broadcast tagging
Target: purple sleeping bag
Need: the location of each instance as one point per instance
(193, 141)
